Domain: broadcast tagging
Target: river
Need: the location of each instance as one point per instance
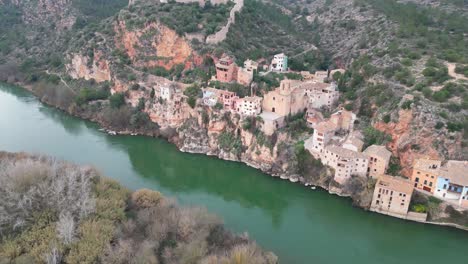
(298, 224)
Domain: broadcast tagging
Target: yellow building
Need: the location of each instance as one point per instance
(425, 173)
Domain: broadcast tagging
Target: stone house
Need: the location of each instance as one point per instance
(279, 63)
(226, 70)
(306, 75)
(425, 173)
(210, 97)
(344, 120)
(452, 183)
(379, 158)
(248, 106)
(345, 162)
(314, 117)
(287, 99)
(323, 133)
(321, 94)
(392, 196)
(354, 142)
(271, 122)
(251, 65)
(244, 76)
(321, 76)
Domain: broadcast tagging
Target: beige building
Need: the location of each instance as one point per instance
(344, 120)
(321, 94)
(345, 162)
(323, 133)
(392, 196)
(321, 76)
(271, 122)
(314, 117)
(425, 173)
(286, 99)
(379, 158)
(251, 65)
(248, 106)
(244, 76)
(353, 142)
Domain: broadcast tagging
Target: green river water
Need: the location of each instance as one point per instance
(298, 224)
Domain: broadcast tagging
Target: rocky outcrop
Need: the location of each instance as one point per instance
(97, 69)
(155, 45)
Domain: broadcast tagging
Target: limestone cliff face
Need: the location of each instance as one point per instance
(199, 136)
(155, 45)
(98, 69)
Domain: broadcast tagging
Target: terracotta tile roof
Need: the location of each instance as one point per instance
(427, 165)
(456, 171)
(377, 150)
(345, 153)
(395, 183)
(326, 126)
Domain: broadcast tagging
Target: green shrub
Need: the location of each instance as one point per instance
(117, 100)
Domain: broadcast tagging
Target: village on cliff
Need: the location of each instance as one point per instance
(334, 141)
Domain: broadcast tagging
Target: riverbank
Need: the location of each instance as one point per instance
(294, 178)
(294, 222)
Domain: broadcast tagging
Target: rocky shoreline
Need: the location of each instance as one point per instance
(293, 178)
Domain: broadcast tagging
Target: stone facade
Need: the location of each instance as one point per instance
(285, 100)
(343, 120)
(392, 196)
(248, 106)
(345, 162)
(321, 76)
(244, 76)
(379, 158)
(321, 94)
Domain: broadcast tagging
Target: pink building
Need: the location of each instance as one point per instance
(226, 70)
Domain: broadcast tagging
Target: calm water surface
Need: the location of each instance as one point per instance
(299, 225)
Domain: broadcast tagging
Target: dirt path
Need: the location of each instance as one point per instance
(451, 71)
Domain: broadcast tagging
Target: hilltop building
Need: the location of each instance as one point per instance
(279, 63)
(226, 70)
(392, 196)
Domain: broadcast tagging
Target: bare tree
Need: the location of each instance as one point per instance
(66, 227)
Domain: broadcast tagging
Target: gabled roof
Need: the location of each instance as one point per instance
(377, 150)
(456, 171)
(395, 183)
